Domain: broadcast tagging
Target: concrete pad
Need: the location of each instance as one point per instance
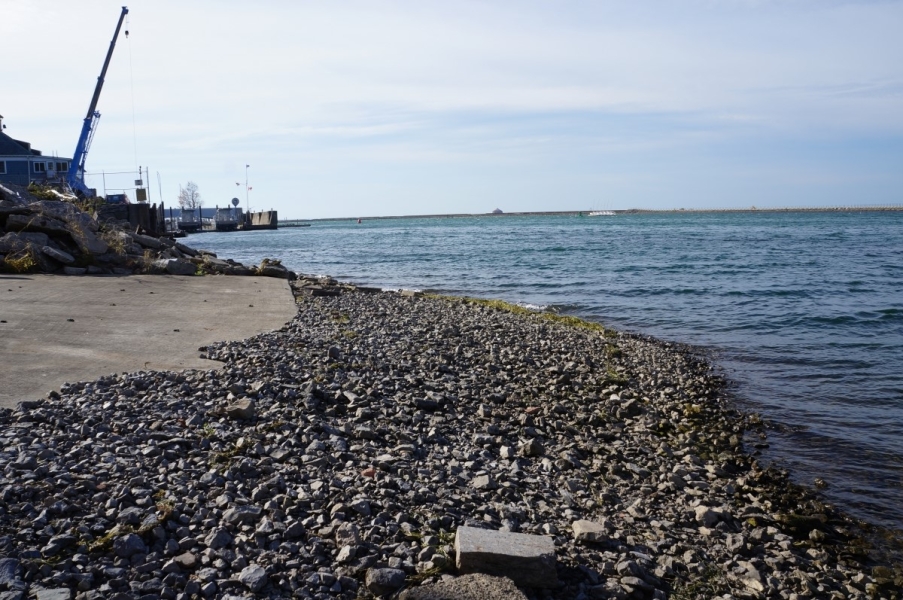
(124, 324)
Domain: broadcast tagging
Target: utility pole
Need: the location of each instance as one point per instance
(247, 208)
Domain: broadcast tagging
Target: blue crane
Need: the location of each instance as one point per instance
(76, 174)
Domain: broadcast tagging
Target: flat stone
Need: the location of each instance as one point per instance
(475, 586)
(54, 594)
(58, 255)
(528, 560)
(590, 531)
(484, 482)
(242, 514)
(186, 560)
(37, 223)
(147, 241)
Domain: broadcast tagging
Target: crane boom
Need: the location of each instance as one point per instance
(76, 174)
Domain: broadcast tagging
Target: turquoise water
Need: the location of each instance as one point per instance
(804, 311)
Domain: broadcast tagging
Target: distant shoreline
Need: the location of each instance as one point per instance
(631, 211)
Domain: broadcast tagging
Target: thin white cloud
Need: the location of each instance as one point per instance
(465, 82)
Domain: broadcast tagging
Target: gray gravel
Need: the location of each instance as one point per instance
(336, 457)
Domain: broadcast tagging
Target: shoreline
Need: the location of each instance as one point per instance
(617, 212)
(399, 417)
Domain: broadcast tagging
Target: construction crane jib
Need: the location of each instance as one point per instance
(76, 175)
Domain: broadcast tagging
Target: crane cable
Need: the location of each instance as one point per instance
(132, 84)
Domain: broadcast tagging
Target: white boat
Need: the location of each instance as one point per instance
(601, 213)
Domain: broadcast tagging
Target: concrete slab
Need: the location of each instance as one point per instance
(528, 560)
(60, 329)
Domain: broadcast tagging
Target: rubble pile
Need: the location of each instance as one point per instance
(51, 233)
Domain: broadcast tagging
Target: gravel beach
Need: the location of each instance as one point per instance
(338, 457)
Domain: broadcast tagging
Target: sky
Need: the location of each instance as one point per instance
(353, 109)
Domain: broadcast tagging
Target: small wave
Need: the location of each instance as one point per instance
(531, 306)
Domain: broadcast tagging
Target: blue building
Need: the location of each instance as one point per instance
(21, 165)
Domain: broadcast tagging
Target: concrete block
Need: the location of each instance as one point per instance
(528, 560)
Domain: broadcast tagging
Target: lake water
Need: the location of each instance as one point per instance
(804, 311)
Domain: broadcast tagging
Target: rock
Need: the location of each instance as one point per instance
(87, 242)
(242, 514)
(56, 544)
(58, 255)
(528, 560)
(147, 241)
(16, 242)
(74, 270)
(484, 482)
(254, 577)
(706, 516)
(54, 594)
(177, 266)
(36, 223)
(218, 538)
(347, 534)
(10, 571)
(346, 554)
(186, 560)
(274, 271)
(532, 447)
(127, 545)
(243, 409)
(382, 582)
(590, 531)
(475, 586)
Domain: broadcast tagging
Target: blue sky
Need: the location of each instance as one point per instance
(347, 109)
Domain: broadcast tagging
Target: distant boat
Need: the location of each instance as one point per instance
(190, 220)
(601, 213)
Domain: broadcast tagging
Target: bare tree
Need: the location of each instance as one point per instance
(189, 197)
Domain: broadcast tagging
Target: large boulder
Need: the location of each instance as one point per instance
(88, 242)
(35, 222)
(176, 266)
(64, 211)
(16, 242)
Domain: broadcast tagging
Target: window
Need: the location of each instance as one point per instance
(62, 166)
(2, 167)
(40, 167)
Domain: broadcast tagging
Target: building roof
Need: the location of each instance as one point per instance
(11, 147)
